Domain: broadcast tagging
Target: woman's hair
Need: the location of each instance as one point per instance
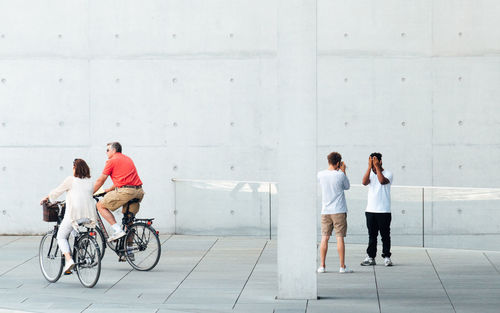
(81, 168)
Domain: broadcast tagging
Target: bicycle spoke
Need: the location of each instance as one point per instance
(88, 261)
(149, 236)
(49, 259)
(145, 253)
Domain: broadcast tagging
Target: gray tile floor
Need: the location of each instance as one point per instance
(234, 274)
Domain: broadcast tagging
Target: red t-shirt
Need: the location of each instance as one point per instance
(122, 170)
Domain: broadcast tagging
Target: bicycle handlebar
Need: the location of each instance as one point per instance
(97, 196)
(55, 202)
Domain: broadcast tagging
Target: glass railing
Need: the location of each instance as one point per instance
(209, 207)
(407, 227)
(466, 218)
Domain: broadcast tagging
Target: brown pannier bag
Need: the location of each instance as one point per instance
(50, 212)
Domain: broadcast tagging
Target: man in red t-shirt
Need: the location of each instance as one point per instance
(126, 186)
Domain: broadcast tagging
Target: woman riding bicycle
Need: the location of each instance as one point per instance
(80, 206)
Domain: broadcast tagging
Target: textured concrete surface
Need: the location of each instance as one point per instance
(296, 98)
(236, 274)
(183, 87)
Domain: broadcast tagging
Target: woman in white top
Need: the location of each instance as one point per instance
(80, 206)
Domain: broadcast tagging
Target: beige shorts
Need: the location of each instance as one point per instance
(334, 221)
(120, 196)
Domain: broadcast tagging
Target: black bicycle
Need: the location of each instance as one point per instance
(140, 246)
(86, 254)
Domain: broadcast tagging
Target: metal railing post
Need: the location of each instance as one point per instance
(423, 217)
(175, 206)
(270, 214)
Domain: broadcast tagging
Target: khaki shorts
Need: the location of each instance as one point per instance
(334, 221)
(120, 196)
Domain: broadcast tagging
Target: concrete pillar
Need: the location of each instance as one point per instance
(297, 149)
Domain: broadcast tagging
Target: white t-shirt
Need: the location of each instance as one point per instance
(333, 184)
(379, 196)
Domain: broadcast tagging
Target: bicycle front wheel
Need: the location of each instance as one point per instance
(143, 247)
(50, 258)
(101, 241)
(88, 260)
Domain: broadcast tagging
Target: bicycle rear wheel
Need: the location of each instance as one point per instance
(50, 258)
(142, 246)
(88, 260)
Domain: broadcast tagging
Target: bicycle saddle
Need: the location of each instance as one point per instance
(133, 201)
(83, 221)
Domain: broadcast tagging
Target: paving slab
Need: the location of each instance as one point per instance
(209, 274)
(414, 300)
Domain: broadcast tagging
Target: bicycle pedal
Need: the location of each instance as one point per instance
(68, 273)
(122, 258)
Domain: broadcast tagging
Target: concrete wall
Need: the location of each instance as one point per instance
(190, 89)
(415, 80)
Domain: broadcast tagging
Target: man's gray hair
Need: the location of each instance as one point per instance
(116, 145)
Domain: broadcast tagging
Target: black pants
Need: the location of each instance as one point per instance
(379, 222)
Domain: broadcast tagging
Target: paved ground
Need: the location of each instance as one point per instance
(232, 274)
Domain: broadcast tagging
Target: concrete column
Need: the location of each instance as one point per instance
(297, 149)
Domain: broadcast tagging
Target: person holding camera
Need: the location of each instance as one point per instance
(80, 207)
(333, 182)
(378, 209)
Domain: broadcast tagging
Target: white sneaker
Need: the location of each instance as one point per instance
(387, 262)
(368, 261)
(345, 269)
(117, 235)
(321, 270)
(69, 265)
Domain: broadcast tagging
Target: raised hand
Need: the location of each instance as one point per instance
(342, 166)
(44, 200)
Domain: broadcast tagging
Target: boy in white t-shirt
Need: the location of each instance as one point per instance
(333, 182)
(378, 209)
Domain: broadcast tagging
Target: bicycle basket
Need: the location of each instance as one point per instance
(50, 212)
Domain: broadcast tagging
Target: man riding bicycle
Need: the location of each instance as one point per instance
(126, 186)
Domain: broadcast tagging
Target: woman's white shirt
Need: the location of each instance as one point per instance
(79, 201)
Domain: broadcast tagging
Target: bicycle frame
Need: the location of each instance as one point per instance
(101, 225)
(60, 216)
(54, 234)
(54, 253)
(118, 248)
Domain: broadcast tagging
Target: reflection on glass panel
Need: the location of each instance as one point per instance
(464, 218)
(406, 208)
(223, 207)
